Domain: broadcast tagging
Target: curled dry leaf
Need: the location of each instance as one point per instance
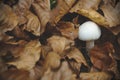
(52, 60)
(3, 66)
(95, 76)
(42, 9)
(10, 50)
(64, 73)
(77, 56)
(68, 30)
(8, 21)
(118, 38)
(33, 24)
(115, 30)
(28, 56)
(45, 50)
(76, 59)
(16, 75)
(102, 58)
(20, 9)
(59, 44)
(85, 4)
(88, 9)
(112, 14)
(18, 33)
(24, 4)
(62, 7)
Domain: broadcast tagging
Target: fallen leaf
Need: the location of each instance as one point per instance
(88, 9)
(24, 4)
(20, 9)
(64, 73)
(3, 66)
(42, 9)
(28, 56)
(52, 60)
(33, 24)
(118, 38)
(16, 75)
(102, 58)
(62, 8)
(68, 30)
(111, 14)
(95, 76)
(8, 21)
(76, 59)
(18, 33)
(59, 44)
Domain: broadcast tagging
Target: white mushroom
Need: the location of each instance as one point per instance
(89, 31)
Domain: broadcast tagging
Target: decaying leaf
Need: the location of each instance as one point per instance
(33, 24)
(88, 9)
(64, 73)
(59, 44)
(57, 57)
(23, 5)
(42, 9)
(62, 7)
(76, 59)
(102, 58)
(118, 38)
(45, 50)
(95, 76)
(20, 34)
(52, 60)
(85, 4)
(28, 56)
(3, 66)
(15, 75)
(8, 21)
(68, 30)
(115, 30)
(20, 9)
(112, 14)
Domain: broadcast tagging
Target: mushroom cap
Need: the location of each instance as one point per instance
(89, 31)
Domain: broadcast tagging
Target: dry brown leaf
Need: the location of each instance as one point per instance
(11, 49)
(8, 21)
(33, 24)
(68, 30)
(62, 7)
(118, 38)
(77, 56)
(102, 58)
(24, 4)
(20, 9)
(15, 75)
(42, 9)
(88, 8)
(3, 66)
(112, 14)
(45, 50)
(115, 30)
(85, 4)
(59, 44)
(52, 60)
(28, 56)
(95, 76)
(64, 73)
(20, 34)
(76, 59)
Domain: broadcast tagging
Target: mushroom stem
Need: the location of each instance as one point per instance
(89, 44)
